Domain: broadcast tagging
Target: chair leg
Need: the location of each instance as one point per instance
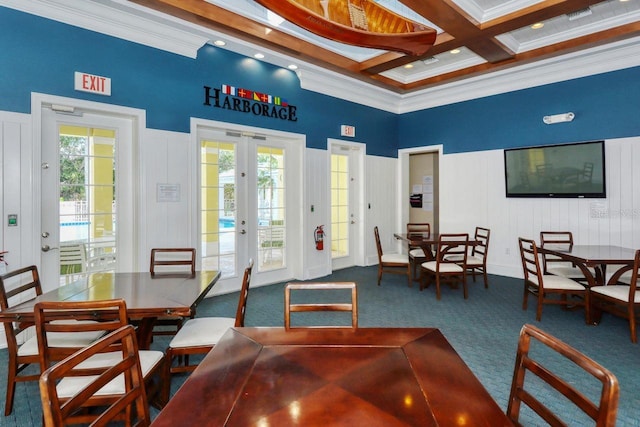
(409, 280)
(632, 324)
(437, 287)
(379, 273)
(485, 277)
(11, 389)
(464, 287)
(539, 306)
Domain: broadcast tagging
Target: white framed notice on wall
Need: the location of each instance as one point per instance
(427, 193)
(168, 193)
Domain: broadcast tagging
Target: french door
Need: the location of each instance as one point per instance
(345, 183)
(243, 204)
(86, 188)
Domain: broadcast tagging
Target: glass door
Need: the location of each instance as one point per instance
(243, 204)
(346, 229)
(79, 213)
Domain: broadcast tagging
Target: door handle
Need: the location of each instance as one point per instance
(243, 232)
(46, 248)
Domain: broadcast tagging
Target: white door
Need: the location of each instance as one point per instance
(346, 182)
(243, 204)
(86, 195)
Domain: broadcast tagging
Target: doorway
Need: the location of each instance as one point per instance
(86, 192)
(346, 184)
(419, 183)
(249, 184)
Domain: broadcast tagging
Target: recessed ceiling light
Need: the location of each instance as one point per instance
(258, 56)
(408, 66)
(293, 67)
(537, 25)
(219, 43)
(454, 51)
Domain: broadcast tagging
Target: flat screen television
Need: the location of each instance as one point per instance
(563, 170)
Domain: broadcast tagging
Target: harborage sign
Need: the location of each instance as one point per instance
(249, 102)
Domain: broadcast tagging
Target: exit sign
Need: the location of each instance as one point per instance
(91, 83)
(346, 130)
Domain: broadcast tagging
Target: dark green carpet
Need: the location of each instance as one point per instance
(483, 329)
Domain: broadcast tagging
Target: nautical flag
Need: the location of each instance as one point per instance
(256, 96)
(228, 90)
(244, 93)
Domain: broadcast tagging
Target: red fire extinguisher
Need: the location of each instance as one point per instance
(318, 235)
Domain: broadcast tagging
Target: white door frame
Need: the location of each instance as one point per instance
(138, 118)
(295, 221)
(404, 186)
(358, 152)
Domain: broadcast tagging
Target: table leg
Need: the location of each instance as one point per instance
(145, 332)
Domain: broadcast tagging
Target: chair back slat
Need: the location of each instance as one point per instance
(315, 306)
(172, 260)
(603, 411)
(244, 295)
(80, 320)
(130, 407)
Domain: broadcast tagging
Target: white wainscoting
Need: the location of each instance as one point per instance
(16, 166)
(472, 194)
(165, 159)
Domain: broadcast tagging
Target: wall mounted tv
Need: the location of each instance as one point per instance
(563, 170)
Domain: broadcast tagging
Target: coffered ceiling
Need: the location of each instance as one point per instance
(475, 37)
(483, 47)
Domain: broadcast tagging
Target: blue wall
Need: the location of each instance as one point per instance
(40, 55)
(606, 106)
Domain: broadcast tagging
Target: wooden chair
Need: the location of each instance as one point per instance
(416, 253)
(477, 261)
(16, 287)
(603, 412)
(391, 263)
(450, 265)
(619, 299)
(26, 285)
(548, 288)
(126, 373)
(329, 288)
(200, 334)
(561, 240)
(477, 258)
(52, 317)
(171, 261)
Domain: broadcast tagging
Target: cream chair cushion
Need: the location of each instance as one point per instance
(619, 292)
(557, 282)
(396, 258)
(69, 386)
(202, 331)
(444, 267)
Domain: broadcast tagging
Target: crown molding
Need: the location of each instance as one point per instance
(117, 19)
(122, 19)
(598, 60)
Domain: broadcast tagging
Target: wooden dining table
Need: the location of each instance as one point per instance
(147, 296)
(427, 241)
(309, 377)
(599, 257)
